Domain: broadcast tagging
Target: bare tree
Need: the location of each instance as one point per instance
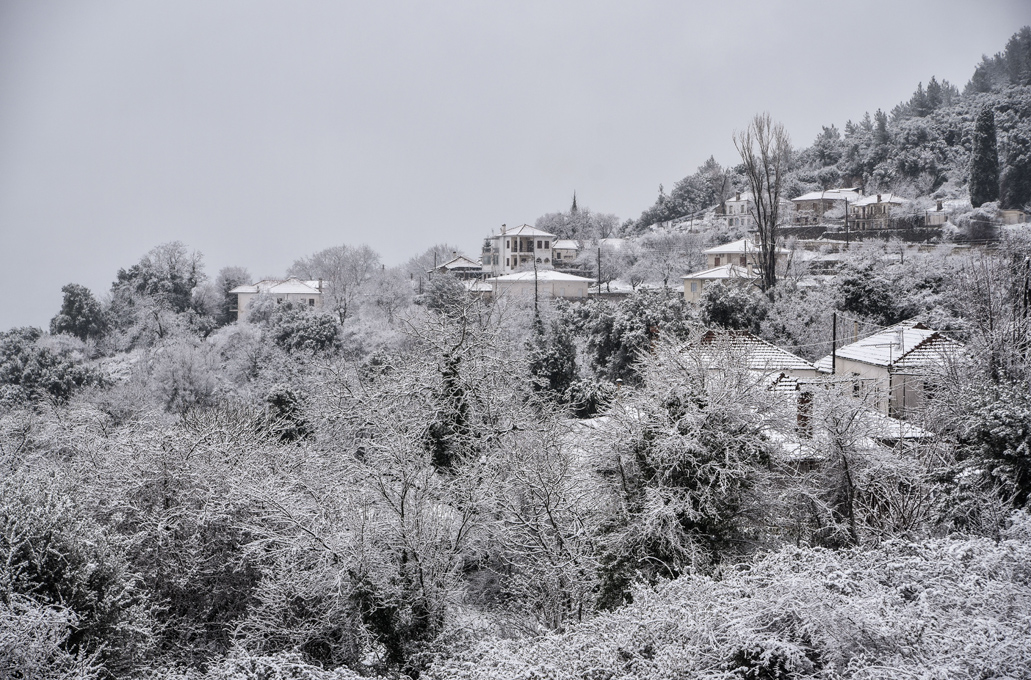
(765, 149)
(347, 272)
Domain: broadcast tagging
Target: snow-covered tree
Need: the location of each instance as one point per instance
(347, 273)
(984, 160)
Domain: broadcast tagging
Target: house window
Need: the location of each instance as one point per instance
(311, 302)
(547, 244)
(694, 286)
(744, 261)
(539, 244)
(716, 260)
(508, 243)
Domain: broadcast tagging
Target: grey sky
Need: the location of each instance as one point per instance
(259, 132)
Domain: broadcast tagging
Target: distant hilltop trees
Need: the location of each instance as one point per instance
(925, 146)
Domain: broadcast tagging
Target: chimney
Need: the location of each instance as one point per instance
(320, 285)
(737, 196)
(939, 208)
(878, 198)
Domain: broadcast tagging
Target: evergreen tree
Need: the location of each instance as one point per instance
(1015, 183)
(81, 315)
(984, 160)
(552, 358)
(934, 94)
(918, 105)
(880, 134)
(1018, 57)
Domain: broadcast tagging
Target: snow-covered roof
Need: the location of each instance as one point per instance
(290, 286)
(565, 244)
(740, 246)
(541, 275)
(830, 195)
(460, 262)
(526, 230)
(881, 426)
(726, 271)
(873, 199)
(759, 354)
(905, 345)
(740, 197)
(478, 286)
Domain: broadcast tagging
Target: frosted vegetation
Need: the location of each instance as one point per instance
(921, 149)
(412, 481)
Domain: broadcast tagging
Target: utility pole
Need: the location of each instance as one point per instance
(834, 342)
(599, 267)
(536, 313)
(846, 221)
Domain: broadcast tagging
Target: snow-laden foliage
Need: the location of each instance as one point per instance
(34, 369)
(427, 483)
(945, 608)
(925, 146)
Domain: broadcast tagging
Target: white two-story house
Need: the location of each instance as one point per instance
(515, 249)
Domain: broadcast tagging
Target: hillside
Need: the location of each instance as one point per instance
(358, 470)
(920, 149)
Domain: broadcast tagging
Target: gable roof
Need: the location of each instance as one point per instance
(565, 244)
(830, 195)
(460, 262)
(909, 344)
(290, 286)
(759, 354)
(526, 230)
(726, 271)
(873, 199)
(741, 246)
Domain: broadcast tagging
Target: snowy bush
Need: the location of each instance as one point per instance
(947, 608)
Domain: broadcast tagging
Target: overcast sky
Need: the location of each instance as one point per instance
(259, 132)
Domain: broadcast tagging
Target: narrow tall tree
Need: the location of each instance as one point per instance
(765, 150)
(984, 160)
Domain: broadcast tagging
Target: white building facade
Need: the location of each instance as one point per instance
(516, 249)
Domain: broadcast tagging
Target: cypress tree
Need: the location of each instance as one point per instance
(880, 135)
(984, 160)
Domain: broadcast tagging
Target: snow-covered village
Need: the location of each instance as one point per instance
(776, 426)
